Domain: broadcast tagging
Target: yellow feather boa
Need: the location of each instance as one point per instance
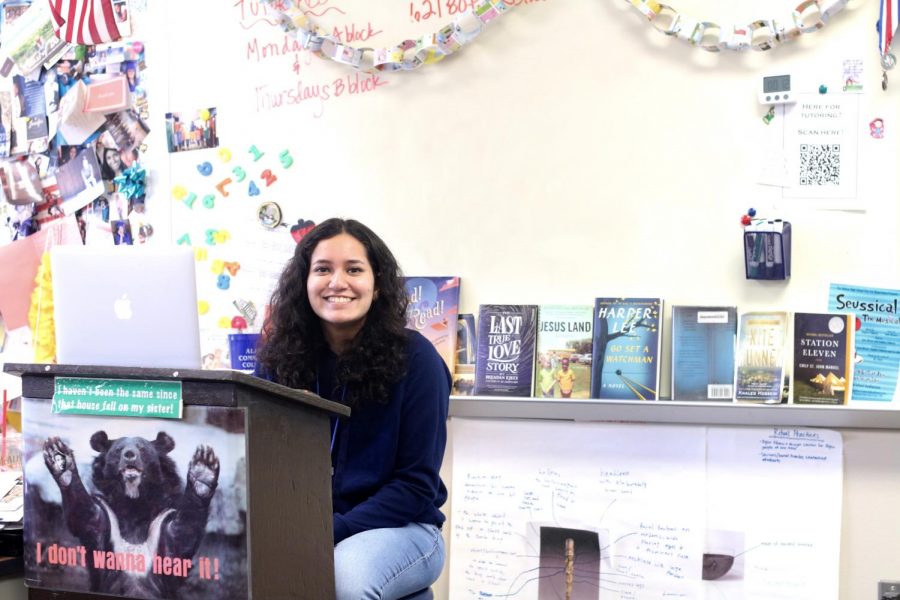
(40, 314)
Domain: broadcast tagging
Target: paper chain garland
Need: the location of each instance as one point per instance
(764, 34)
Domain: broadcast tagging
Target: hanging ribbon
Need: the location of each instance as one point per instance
(887, 27)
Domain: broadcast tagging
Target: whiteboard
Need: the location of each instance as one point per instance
(652, 511)
(570, 152)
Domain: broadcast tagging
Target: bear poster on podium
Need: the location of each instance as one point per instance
(137, 507)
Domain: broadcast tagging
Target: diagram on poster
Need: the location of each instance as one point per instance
(629, 511)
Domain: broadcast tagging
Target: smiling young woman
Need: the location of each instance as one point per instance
(337, 328)
(341, 287)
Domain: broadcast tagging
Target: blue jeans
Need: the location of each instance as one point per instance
(386, 564)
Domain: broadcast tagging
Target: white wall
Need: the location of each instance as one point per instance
(570, 152)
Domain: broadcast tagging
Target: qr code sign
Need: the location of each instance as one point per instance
(820, 164)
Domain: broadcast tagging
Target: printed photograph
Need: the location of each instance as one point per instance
(191, 132)
(10, 12)
(5, 123)
(100, 207)
(21, 222)
(723, 558)
(63, 155)
(110, 159)
(20, 182)
(182, 503)
(569, 564)
(121, 231)
(130, 69)
(145, 230)
(33, 41)
(127, 129)
(123, 17)
(68, 71)
(28, 97)
(95, 219)
(51, 208)
(79, 177)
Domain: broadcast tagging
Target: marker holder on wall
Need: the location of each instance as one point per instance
(767, 250)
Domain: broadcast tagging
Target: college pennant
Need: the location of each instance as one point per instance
(84, 21)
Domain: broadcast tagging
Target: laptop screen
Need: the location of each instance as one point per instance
(129, 306)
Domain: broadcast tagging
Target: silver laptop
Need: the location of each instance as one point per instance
(125, 306)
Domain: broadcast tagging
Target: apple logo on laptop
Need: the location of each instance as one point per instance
(122, 307)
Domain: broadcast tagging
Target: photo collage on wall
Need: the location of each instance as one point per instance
(73, 120)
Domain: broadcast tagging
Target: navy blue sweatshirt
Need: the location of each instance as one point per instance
(387, 458)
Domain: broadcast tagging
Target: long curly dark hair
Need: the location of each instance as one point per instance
(292, 336)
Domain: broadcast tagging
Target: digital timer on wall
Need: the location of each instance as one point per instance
(776, 89)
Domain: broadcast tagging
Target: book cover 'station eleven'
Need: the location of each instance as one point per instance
(432, 311)
(627, 337)
(823, 358)
(703, 340)
(564, 351)
(506, 341)
(759, 370)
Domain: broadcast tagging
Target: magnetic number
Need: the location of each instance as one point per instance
(269, 176)
(221, 186)
(256, 153)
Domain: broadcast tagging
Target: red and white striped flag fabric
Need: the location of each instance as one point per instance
(84, 21)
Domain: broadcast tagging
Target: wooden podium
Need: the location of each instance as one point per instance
(289, 539)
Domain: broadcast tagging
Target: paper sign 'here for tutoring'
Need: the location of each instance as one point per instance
(118, 397)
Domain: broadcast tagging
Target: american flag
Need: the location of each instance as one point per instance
(84, 21)
(887, 26)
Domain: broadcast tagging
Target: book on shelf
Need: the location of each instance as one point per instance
(626, 349)
(823, 358)
(466, 340)
(564, 343)
(703, 340)
(760, 359)
(463, 381)
(504, 363)
(432, 310)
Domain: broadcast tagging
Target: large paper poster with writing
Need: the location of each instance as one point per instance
(588, 511)
(137, 507)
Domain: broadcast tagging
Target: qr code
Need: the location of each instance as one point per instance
(820, 164)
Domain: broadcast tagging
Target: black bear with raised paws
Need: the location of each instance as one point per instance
(141, 514)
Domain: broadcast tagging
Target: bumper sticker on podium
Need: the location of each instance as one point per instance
(137, 507)
(118, 397)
